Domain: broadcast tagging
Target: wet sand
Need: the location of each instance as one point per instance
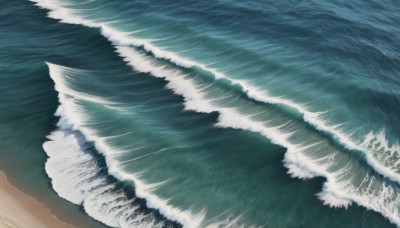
(18, 210)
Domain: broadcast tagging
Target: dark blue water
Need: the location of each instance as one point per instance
(203, 114)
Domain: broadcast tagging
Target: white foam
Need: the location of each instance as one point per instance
(75, 177)
(383, 155)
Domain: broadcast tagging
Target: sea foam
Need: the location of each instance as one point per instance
(77, 177)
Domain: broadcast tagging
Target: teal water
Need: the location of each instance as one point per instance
(194, 114)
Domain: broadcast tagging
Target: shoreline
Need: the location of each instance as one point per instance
(18, 210)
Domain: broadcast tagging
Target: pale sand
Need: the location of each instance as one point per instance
(18, 210)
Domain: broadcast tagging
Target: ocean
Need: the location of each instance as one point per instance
(138, 113)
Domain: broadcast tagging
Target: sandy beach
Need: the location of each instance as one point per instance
(20, 210)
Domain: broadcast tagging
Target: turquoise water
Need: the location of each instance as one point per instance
(194, 114)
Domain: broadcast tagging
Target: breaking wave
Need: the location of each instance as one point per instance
(307, 159)
(119, 38)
